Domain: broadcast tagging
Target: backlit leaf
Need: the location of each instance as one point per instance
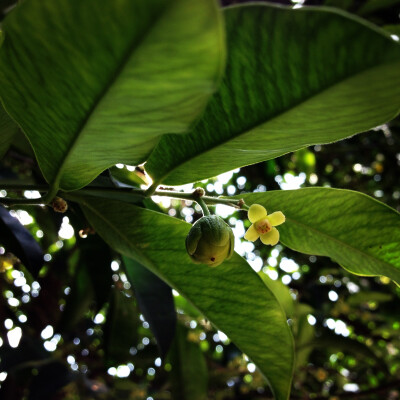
(356, 231)
(93, 83)
(231, 296)
(295, 77)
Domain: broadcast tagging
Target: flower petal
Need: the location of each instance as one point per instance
(256, 212)
(276, 218)
(251, 234)
(272, 237)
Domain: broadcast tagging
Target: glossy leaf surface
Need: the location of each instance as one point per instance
(231, 295)
(295, 77)
(98, 82)
(354, 230)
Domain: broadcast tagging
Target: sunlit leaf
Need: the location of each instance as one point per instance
(295, 77)
(356, 231)
(131, 178)
(231, 296)
(281, 292)
(93, 83)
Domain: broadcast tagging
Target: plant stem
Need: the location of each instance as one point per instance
(151, 190)
(108, 192)
(203, 206)
(8, 201)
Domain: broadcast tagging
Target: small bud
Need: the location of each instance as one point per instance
(59, 205)
(210, 241)
(199, 192)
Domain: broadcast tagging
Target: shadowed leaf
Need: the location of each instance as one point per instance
(155, 301)
(17, 239)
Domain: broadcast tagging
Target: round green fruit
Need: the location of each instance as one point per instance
(210, 241)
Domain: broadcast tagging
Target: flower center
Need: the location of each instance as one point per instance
(263, 226)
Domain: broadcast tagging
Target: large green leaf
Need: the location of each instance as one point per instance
(231, 296)
(8, 128)
(294, 78)
(93, 83)
(358, 232)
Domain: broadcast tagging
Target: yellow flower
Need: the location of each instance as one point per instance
(263, 225)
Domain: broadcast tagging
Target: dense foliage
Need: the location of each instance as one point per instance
(103, 102)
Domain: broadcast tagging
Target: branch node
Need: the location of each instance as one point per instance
(59, 205)
(198, 192)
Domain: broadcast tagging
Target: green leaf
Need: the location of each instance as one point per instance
(281, 292)
(120, 330)
(8, 128)
(363, 297)
(117, 75)
(294, 78)
(78, 301)
(189, 375)
(97, 257)
(231, 296)
(304, 333)
(155, 301)
(130, 178)
(356, 231)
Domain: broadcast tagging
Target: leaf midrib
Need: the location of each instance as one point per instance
(113, 77)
